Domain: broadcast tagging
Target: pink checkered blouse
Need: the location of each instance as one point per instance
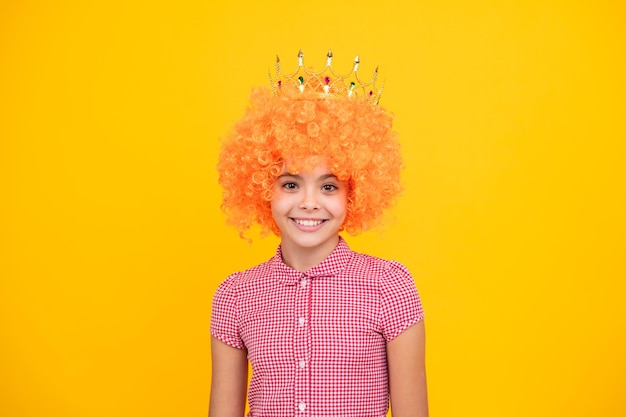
(317, 340)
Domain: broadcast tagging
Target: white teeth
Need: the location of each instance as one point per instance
(309, 223)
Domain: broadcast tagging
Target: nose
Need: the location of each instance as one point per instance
(309, 200)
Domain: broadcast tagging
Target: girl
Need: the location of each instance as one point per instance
(328, 331)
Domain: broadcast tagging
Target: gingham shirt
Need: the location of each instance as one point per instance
(317, 340)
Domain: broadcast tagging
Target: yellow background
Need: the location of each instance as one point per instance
(512, 117)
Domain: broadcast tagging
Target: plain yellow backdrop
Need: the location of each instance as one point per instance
(512, 118)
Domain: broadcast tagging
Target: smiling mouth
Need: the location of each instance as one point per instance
(308, 223)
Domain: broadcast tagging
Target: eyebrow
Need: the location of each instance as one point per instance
(323, 177)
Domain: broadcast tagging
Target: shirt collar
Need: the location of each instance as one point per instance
(332, 265)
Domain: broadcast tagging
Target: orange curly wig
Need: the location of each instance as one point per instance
(352, 136)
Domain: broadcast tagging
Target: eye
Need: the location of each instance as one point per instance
(329, 187)
(290, 185)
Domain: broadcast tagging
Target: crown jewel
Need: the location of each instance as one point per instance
(327, 81)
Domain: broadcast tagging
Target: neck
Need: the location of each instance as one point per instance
(302, 259)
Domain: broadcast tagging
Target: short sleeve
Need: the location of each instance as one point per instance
(224, 323)
(400, 304)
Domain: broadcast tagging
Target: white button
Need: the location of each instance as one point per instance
(302, 406)
(301, 321)
(302, 363)
(303, 283)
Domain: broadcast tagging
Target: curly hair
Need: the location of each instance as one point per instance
(352, 136)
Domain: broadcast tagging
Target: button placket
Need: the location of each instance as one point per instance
(302, 342)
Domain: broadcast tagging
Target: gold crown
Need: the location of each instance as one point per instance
(327, 81)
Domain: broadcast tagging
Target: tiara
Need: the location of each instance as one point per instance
(327, 82)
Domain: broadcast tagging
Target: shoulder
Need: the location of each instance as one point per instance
(383, 268)
(399, 302)
(244, 277)
(250, 274)
(391, 279)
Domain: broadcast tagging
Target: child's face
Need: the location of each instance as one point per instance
(309, 208)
